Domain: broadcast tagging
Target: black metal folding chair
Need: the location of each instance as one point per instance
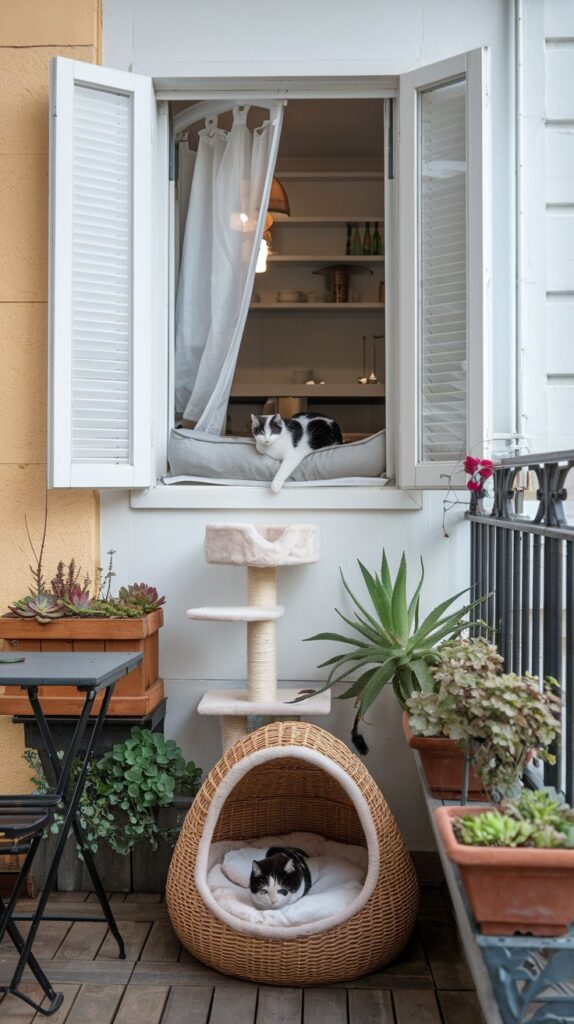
(22, 822)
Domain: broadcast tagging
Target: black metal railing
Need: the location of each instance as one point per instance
(523, 565)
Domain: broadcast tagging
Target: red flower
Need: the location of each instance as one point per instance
(478, 470)
(470, 464)
(486, 468)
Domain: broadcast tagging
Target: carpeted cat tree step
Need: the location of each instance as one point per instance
(236, 613)
(237, 702)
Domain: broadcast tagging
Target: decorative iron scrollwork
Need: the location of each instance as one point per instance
(532, 979)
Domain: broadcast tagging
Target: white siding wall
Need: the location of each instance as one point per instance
(225, 38)
(548, 224)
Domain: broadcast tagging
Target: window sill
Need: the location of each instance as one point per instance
(208, 496)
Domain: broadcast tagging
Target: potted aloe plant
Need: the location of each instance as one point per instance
(497, 719)
(516, 862)
(389, 644)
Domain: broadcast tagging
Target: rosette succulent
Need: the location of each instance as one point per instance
(41, 607)
(142, 596)
(538, 818)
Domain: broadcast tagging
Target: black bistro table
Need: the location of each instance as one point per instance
(93, 674)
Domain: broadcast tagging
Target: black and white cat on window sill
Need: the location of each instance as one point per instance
(290, 440)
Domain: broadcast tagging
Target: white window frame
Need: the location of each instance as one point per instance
(474, 66)
(62, 471)
(153, 431)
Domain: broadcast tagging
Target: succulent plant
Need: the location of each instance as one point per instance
(78, 597)
(539, 818)
(42, 608)
(141, 595)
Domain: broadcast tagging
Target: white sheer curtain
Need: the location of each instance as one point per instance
(223, 231)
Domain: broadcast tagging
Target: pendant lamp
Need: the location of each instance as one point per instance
(278, 202)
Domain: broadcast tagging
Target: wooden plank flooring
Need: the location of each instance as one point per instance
(160, 983)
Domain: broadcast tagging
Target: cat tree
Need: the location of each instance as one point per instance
(261, 550)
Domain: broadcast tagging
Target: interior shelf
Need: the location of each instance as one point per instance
(325, 307)
(376, 218)
(330, 258)
(357, 175)
(254, 390)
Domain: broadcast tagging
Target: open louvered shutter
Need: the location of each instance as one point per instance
(100, 289)
(444, 318)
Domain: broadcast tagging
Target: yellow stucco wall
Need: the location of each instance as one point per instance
(31, 33)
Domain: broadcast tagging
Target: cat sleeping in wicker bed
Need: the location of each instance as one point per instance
(291, 440)
(280, 879)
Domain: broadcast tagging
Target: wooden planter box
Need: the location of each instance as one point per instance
(137, 694)
(143, 870)
(443, 763)
(525, 890)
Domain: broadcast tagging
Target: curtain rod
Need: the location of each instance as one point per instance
(211, 108)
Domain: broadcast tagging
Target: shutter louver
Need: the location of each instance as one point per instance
(100, 294)
(443, 274)
(101, 270)
(444, 358)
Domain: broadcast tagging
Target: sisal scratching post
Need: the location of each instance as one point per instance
(262, 636)
(233, 728)
(261, 550)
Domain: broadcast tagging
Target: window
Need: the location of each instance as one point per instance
(109, 307)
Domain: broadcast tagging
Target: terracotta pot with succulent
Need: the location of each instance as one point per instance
(497, 719)
(391, 645)
(131, 811)
(516, 862)
(71, 614)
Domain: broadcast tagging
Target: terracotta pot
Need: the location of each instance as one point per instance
(138, 693)
(443, 763)
(524, 891)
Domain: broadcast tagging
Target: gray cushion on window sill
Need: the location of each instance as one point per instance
(208, 455)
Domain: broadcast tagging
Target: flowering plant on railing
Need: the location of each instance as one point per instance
(479, 470)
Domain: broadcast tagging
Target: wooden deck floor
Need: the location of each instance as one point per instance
(159, 983)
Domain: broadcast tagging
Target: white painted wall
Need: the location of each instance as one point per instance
(224, 38)
(548, 224)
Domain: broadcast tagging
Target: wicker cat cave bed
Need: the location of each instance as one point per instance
(288, 777)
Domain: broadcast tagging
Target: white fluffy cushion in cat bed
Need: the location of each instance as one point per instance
(209, 457)
(337, 872)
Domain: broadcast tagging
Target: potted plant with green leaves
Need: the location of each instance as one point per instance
(131, 810)
(496, 719)
(389, 644)
(516, 862)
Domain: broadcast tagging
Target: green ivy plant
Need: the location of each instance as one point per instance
(497, 718)
(539, 818)
(126, 787)
(389, 643)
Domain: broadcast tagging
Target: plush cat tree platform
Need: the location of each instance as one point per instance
(261, 550)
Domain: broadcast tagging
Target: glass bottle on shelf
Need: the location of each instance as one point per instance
(349, 245)
(357, 246)
(377, 245)
(367, 239)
